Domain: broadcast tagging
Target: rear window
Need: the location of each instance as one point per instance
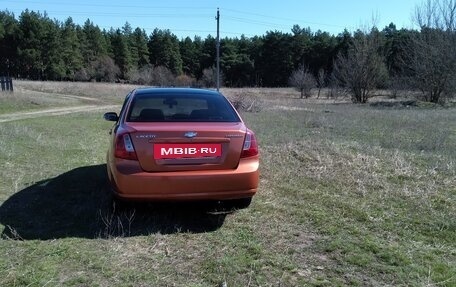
(181, 108)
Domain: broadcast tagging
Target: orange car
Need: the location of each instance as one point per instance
(181, 144)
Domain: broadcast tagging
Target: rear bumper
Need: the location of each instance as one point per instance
(129, 181)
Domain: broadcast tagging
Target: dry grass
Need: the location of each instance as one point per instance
(102, 91)
(35, 96)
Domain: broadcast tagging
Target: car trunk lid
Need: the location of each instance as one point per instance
(162, 147)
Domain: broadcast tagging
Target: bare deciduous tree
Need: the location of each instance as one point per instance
(184, 81)
(154, 76)
(439, 14)
(209, 78)
(320, 80)
(104, 69)
(362, 69)
(302, 80)
(431, 55)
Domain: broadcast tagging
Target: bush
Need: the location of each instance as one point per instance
(101, 70)
(104, 70)
(152, 76)
(431, 54)
(398, 86)
(246, 102)
(362, 69)
(209, 78)
(303, 81)
(184, 81)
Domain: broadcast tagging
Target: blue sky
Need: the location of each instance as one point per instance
(237, 17)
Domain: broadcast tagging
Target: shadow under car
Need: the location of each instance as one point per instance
(78, 203)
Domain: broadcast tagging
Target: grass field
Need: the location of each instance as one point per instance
(350, 195)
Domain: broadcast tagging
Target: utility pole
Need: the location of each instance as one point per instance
(218, 48)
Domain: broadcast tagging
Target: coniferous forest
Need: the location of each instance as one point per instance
(34, 46)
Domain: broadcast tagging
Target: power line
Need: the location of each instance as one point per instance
(76, 4)
(125, 15)
(112, 5)
(258, 20)
(283, 18)
(240, 19)
(260, 23)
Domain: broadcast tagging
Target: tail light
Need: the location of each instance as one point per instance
(250, 145)
(124, 147)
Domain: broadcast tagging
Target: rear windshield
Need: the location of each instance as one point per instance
(181, 108)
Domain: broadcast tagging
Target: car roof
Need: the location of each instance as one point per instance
(175, 91)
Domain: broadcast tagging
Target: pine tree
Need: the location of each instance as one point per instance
(164, 51)
(139, 49)
(71, 49)
(9, 38)
(51, 48)
(120, 51)
(30, 63)
(237, 66)
(190, 58)
(93, 43)
(208, 53)
(275, 61)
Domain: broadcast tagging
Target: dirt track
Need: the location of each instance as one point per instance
(54, 112)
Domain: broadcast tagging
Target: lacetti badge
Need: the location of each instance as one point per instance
(190, 134)
(179, 151)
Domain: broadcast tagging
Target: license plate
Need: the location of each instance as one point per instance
(176, 151)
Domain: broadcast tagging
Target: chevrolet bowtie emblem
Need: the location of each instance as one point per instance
(190, 134)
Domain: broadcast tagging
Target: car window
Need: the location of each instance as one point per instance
(184, 108)
(124, 105)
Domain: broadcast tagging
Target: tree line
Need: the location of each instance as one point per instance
(37, 47)
(33, 46)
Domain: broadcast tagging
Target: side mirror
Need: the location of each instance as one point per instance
(111, 116)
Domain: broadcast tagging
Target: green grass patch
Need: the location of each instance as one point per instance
(351, 195)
